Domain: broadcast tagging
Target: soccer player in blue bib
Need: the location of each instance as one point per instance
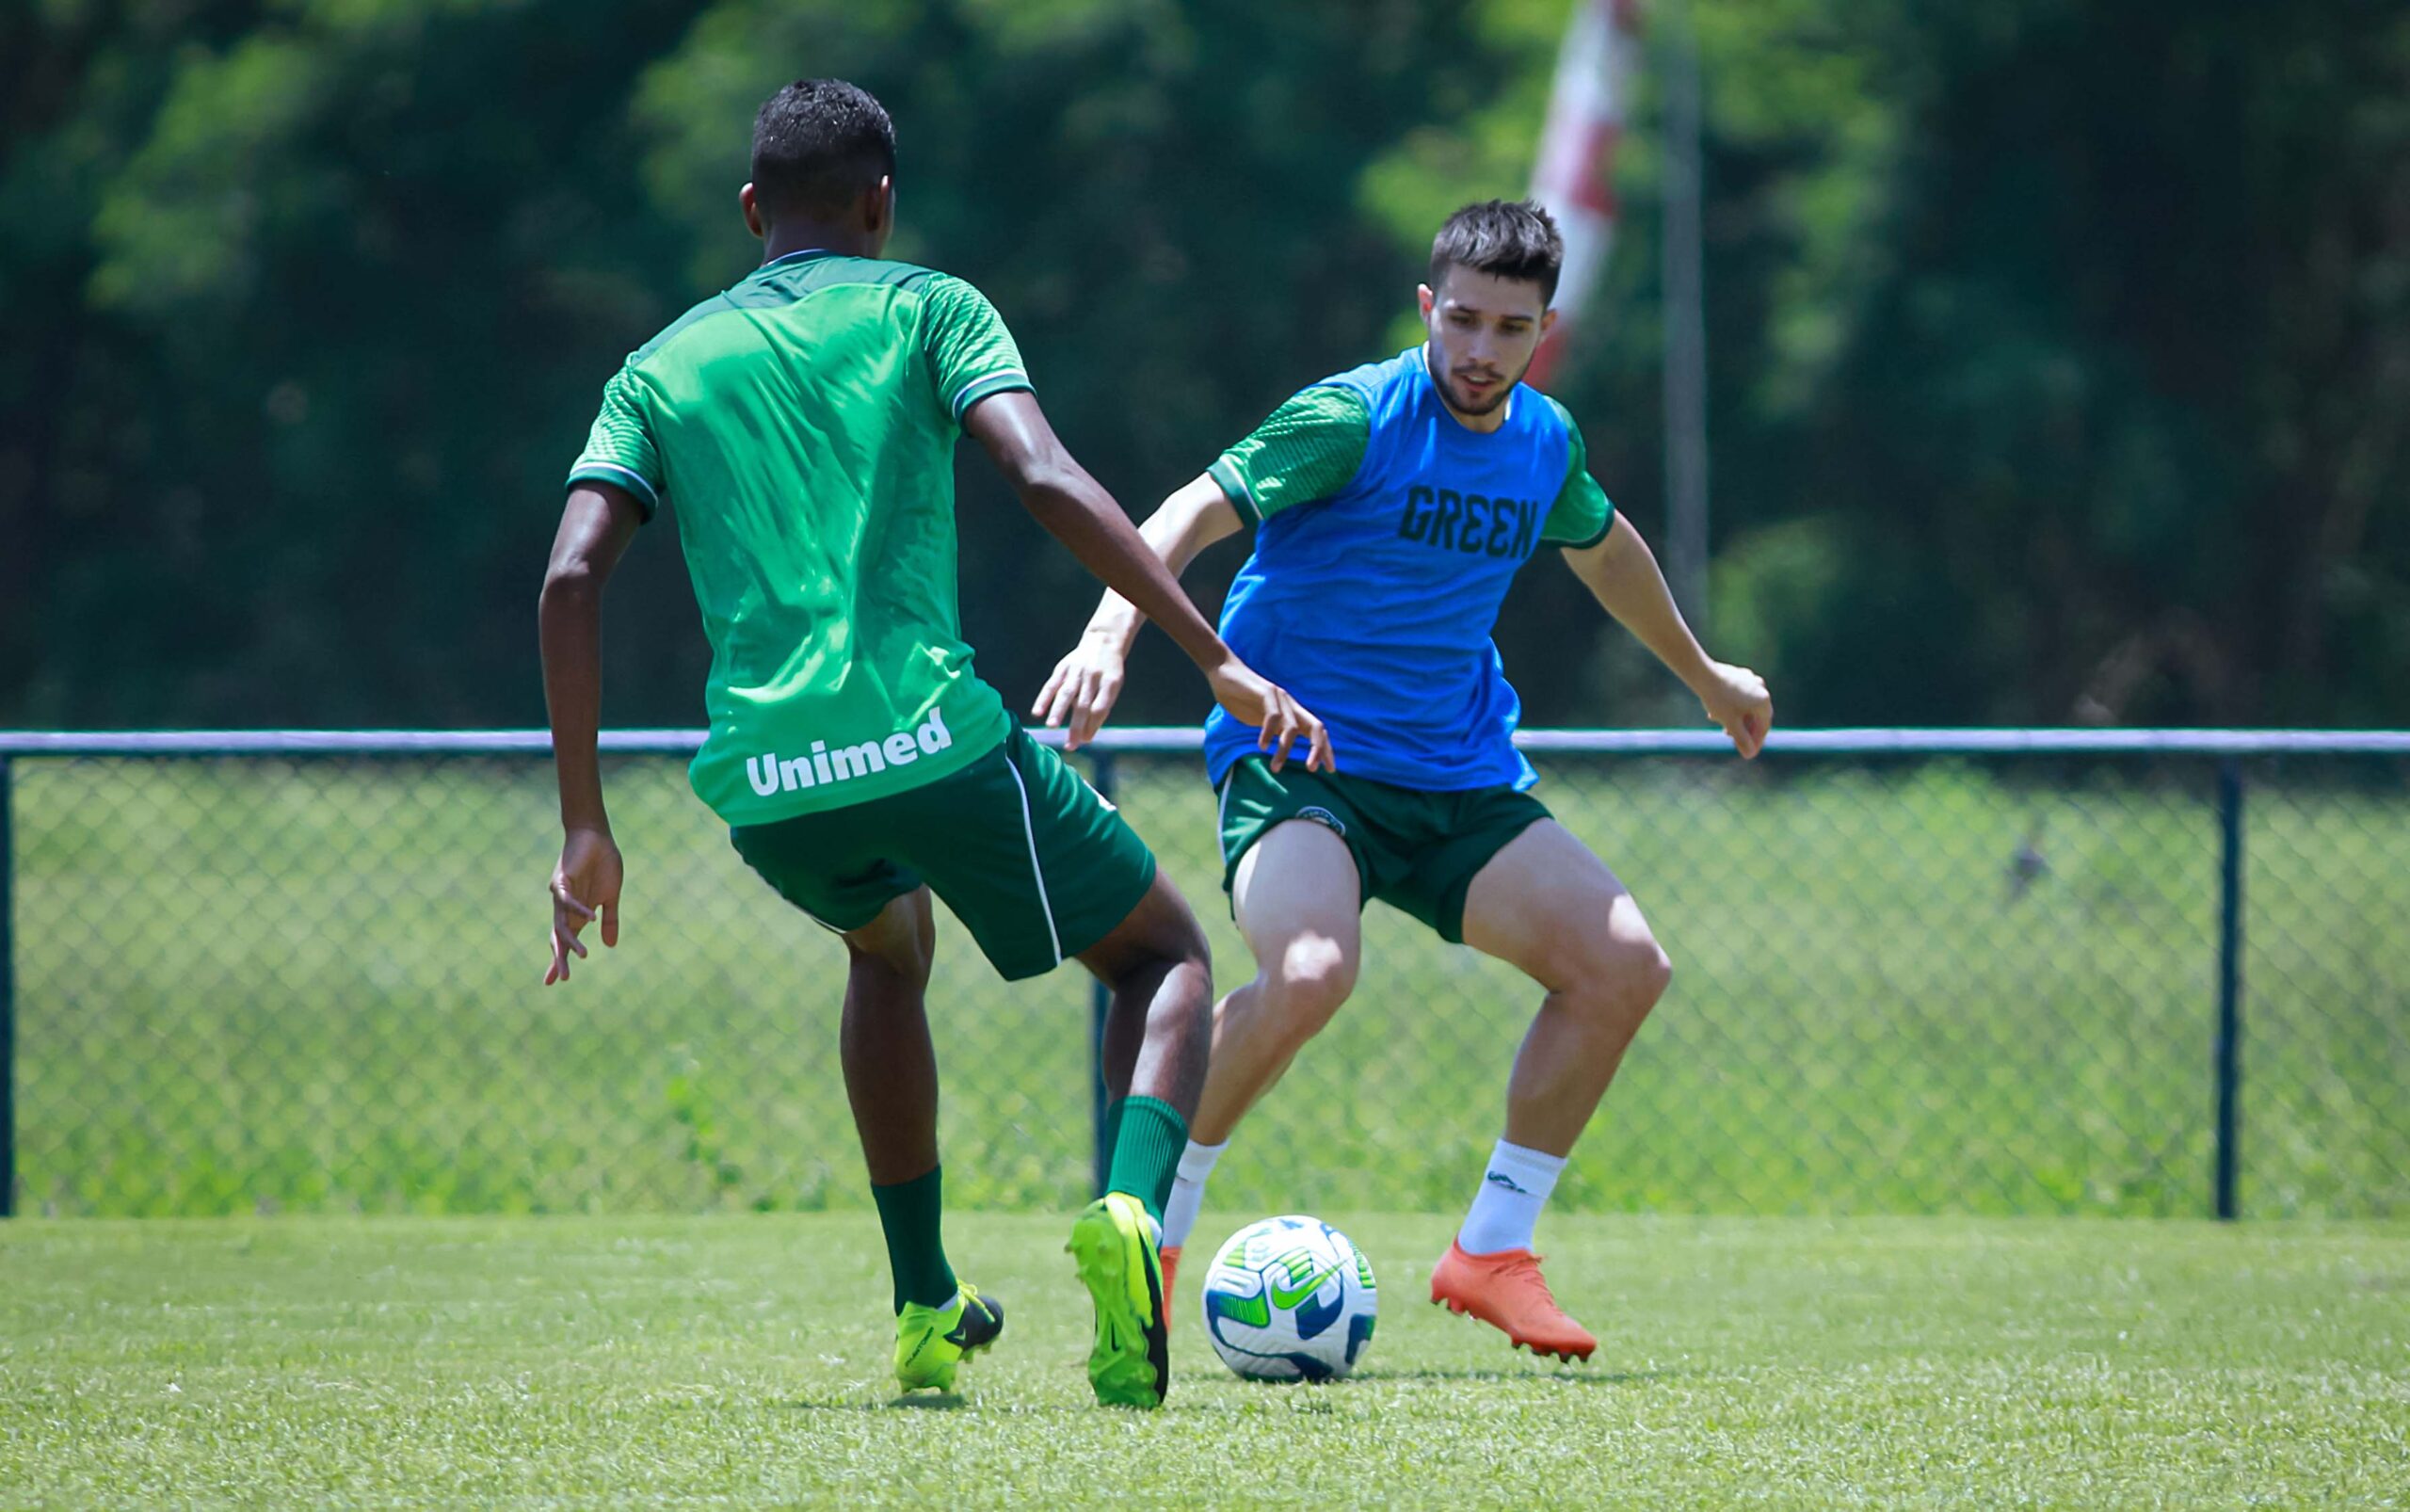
(1392, 505)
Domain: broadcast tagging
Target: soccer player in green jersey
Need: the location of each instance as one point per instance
(1392, 507)
(803, 426)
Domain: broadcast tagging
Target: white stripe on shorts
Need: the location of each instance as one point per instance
(1029, 832)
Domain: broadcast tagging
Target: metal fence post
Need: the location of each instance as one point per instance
(2229, 1040)
(1099, 1003)
(7, 998)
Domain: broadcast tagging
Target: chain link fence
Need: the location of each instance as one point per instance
(1915, 972)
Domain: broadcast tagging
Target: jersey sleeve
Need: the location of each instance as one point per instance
(620, 449)
(1308, 450)
(970, 351)
(1582, 514)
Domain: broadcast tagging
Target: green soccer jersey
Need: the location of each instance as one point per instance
(802, 425)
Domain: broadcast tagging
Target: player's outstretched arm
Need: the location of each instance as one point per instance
(1077, 512)
(1089, 679)
(596, 526)
(1621, 573)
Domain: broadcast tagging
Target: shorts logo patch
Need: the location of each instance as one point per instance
(1323, 817)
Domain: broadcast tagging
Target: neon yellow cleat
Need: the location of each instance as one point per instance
(931, 1343)
(1115, 1245)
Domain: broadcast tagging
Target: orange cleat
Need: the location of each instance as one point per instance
(1505, 1291)
(1169, 1254)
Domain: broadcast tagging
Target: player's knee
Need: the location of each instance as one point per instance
(1312, 979)
(1177, 937)
(1621, 976)
(1653, 973)
(1188, 944)
(1161, 935)
(899, 943)
(1635, 974)
(902, 960)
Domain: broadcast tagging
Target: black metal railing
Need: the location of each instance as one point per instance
(1984, 970)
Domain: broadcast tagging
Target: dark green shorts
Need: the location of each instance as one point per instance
(1415, 851)
(1036, 864)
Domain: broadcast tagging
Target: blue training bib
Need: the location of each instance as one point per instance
(1374, 608)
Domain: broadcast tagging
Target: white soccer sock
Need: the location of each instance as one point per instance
(1514, 1188)
(1188, 1191)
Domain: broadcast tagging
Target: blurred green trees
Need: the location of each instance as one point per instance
(2059, 351)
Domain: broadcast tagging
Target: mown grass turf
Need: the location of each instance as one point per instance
(2039, 1362)
(1905, 986)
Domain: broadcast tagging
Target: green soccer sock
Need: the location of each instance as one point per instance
(1113, 1127)
(1149, 1138)
(911, 1213)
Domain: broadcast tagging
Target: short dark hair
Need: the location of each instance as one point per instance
(1509, 238)
(818, 144)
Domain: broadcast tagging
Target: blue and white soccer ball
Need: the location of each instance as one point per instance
(1290, 1299)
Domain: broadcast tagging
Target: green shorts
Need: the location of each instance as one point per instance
(1415, 851)
(1032, 860)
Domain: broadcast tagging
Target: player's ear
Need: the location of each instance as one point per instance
(751, 203)
(1425, 300)
(878, 208)
(1548, 318)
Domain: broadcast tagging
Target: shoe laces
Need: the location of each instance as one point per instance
(1526, 1269)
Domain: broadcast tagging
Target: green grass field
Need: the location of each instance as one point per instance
(742, 1359)
(311, 987)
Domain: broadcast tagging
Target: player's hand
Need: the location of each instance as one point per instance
(1083, 691)
(1279, 719)
(586, 886)
(1737, 698)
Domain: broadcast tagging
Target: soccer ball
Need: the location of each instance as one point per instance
(1290, 1299)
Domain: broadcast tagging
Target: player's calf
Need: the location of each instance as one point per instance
(1601, 990)
(1158, 971)
(1257, 1030)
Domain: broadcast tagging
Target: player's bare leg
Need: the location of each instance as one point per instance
(1548, 906)
(1295, 897)
(890, 1064)
(1158, 1025)
(892, 1081)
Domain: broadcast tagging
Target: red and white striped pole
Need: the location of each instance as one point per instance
(1575, 176)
